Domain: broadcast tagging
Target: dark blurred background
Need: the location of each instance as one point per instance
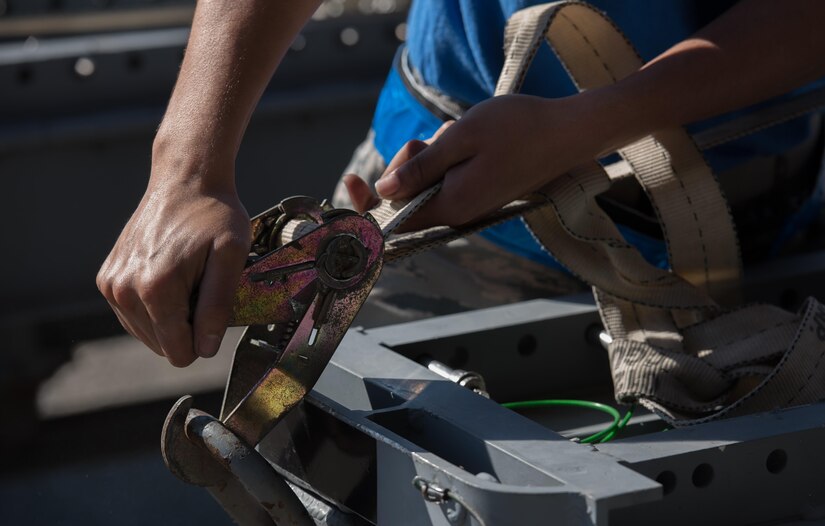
(83, 85)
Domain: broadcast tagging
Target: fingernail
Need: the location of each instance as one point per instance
(388, 185)
(208, 345)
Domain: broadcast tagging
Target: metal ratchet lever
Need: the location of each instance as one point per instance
(299, 300)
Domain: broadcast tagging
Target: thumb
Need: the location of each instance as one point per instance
(217, 290)
(427, 166)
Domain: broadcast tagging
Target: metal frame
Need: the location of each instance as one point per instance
(378, 421)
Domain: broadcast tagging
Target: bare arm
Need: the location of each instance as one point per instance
(752, 52)
(190, 230)
(756, 50)
(233, 50)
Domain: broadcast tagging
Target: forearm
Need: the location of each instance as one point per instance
(758, 49)
(234, 48)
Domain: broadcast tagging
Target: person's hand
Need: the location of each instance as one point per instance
(362, 197)
(501, 150)
(183, 238)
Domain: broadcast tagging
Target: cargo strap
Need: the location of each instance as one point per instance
(682, 345)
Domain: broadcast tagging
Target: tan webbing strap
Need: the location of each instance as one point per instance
(669, 167)
(578, 233)
(391, 214)
(673, 349)
(694, 215)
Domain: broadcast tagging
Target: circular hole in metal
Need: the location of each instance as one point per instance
(527, 345)
(776, 461)
(668, 481)
(84, 67)
(459, 358)
(349, 36)
(702, 475)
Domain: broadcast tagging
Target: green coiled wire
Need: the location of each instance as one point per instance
(604, 435)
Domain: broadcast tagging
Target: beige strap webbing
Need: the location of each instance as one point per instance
(669, 166)
(677, 346)
(674, 349)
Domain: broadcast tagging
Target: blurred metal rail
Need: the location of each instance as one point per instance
(95, 21)
(79, 115)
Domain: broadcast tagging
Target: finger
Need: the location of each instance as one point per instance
(428, 166)
(441, 129)
(407, 152)
(107, 289)
(413, 148)
(132, 312)
(359, 193)
(216, 294)
(461, 200)
(168, 313)
(133, 330)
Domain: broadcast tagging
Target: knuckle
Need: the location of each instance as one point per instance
(414, 147)
(232, 244)
(154, 290)
(104, 285)
(124, 295)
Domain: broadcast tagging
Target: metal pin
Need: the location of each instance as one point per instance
(263, 345)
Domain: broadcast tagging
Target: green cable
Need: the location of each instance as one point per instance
(602, 436)
(622, 423)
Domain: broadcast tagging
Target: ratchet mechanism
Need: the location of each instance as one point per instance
(298, 299)
(310, 268)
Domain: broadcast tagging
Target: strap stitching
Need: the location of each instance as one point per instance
(693, 212)
(804, 384)
(528, 57)
(752, 361)
(653, 203)
(758, 389)
(592, 47)
(610, 242)
(697, 407)
(587, 197)
(749, 336)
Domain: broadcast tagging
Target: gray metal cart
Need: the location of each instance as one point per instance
(384, 440)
